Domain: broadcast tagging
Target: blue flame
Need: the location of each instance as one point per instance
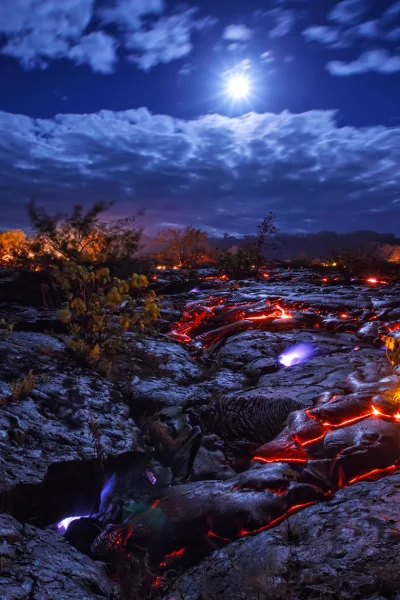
(296, 355)
(106, 491)
(108, 487)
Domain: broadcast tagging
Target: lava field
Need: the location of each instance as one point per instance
(263, 418)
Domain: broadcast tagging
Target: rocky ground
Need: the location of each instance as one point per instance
(233, 475)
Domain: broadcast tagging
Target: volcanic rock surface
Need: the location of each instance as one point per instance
(41, 565)
(215, 443)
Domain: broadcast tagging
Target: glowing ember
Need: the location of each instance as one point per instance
(296, 355)
(372, 280)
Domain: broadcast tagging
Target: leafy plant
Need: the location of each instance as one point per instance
(99, 308)
(5, 325)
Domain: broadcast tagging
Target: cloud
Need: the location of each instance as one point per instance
(39, 31)
(237, 33)
(378, 61)
(323, 34)
(348, 11)
(166, 40)
(267, 57)
(35, 32)
(393, 35)
(284, 22)
(98, 50)
(195, 171)
(348, 26)
(392, 13)
(129, 14)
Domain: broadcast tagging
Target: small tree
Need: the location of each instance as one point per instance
(265, 238)
(81, 252)
(83, 237)
(182, 247)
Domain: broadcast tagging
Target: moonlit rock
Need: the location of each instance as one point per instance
(296, 355)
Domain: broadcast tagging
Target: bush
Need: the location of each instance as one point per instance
(240, 265)
(99, 308)
(83, 237)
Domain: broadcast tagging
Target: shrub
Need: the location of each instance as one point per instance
(240, 265)
(83, 237)
(99, 308)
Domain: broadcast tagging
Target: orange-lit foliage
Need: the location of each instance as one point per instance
(13, 245)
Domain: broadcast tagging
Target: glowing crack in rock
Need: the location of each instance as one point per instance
(296, 355)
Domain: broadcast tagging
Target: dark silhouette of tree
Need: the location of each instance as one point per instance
(182, 247)
(265, 238)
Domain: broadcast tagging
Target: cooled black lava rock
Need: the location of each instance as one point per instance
(254, 419)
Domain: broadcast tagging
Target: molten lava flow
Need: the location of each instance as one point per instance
(377, 472)
(172, 556)
(377, 412)
(279, 313)
(291, 510)
(278, 459)
(218, 537)
(317, 439)
(348, 421)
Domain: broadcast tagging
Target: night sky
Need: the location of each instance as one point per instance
(126, 100)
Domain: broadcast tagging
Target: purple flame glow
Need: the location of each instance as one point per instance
(108, 487)
(63, 525)
(296, 355)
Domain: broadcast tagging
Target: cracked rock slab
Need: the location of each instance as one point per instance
(41, 565)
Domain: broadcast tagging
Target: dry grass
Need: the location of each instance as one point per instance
(22, 388)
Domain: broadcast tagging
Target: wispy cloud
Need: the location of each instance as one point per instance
(380, 61)
(349, 26)
(144, 31)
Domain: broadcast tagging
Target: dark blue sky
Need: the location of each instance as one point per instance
(125, 100)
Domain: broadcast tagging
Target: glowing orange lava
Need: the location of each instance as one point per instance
(372, 473)
(277, 459)
(291, 510)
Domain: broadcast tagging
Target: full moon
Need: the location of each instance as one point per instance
(238, 86)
